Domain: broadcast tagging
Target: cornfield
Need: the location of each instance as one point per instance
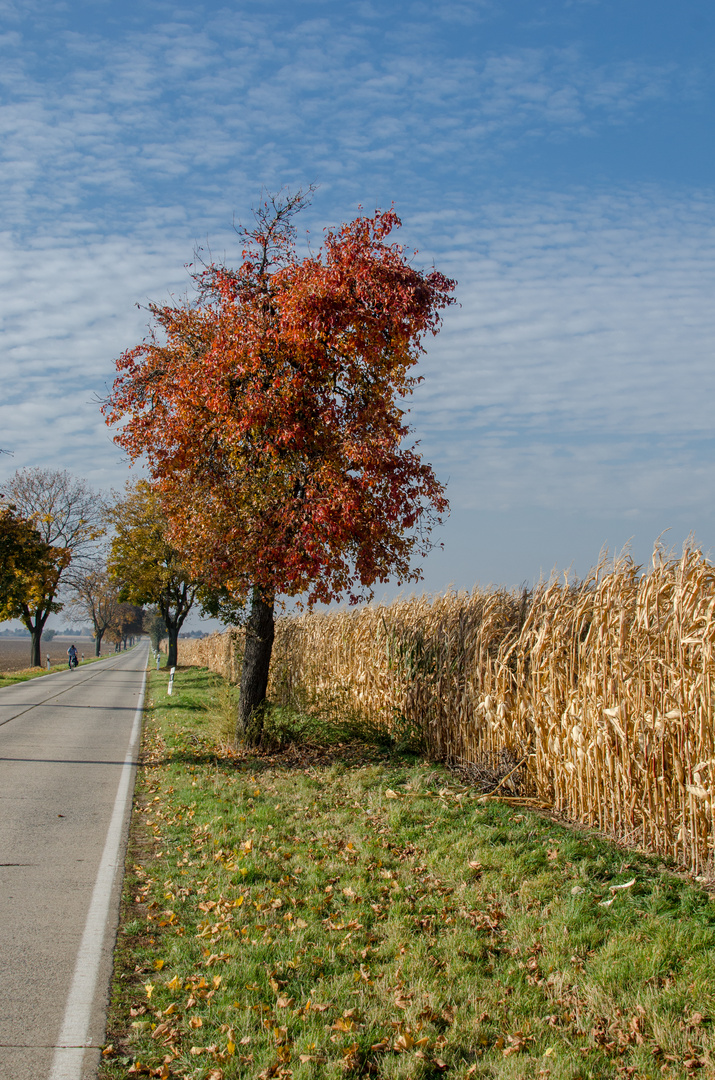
(598, 694)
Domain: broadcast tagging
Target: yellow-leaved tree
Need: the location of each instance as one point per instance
(145, 566)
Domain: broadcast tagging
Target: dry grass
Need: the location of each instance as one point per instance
(597, 697)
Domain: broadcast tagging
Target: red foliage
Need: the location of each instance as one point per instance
(269, 413)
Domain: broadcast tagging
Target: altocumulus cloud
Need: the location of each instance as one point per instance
(180, 107)
(577, 372)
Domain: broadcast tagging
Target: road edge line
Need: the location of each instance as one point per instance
(73, 1038)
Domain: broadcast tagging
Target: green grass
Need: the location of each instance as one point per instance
(338, 910)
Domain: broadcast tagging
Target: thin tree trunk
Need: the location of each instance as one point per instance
(260, 630)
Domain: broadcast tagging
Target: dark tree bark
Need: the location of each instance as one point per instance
(260, 631)
(36, 647)
(175, 604)
(173, 651)
(35, 623)
(98, 635)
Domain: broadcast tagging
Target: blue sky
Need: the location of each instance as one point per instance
(556, 158)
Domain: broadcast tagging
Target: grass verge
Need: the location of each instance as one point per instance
(337, 911)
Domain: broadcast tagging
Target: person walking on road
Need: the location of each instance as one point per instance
(72, 653)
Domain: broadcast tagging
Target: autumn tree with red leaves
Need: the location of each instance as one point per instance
(268, 411)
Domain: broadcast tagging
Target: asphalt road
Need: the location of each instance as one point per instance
(68, 745)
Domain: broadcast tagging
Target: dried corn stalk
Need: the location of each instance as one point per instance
(604, 687)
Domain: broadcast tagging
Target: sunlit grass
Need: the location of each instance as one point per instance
(349, 912)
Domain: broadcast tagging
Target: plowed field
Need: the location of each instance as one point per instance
(15, 652)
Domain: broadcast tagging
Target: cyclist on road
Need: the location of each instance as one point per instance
(72, 653)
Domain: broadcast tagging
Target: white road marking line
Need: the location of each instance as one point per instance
(73, 1037)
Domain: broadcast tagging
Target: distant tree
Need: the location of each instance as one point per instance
(21, 547)
(269, 413)
(49, 634)
(155, 627)
(30, 571)
(145, 565)
(97, 596)
(128, 622)
(68, 516)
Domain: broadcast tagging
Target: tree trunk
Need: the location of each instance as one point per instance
(36, 647)
(260, 630)
(173, 646)
(98, 635)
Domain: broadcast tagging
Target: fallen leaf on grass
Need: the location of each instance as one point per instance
(277, 1069)
(164, 1029)
(517, 1043)
(343, 1024)
(215, 958)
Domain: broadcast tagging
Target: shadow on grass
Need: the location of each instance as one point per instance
(182, 705)
(256, 761)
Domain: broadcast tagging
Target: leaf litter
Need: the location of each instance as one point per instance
(369, 917)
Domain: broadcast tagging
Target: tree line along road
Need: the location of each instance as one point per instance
(68, 749)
